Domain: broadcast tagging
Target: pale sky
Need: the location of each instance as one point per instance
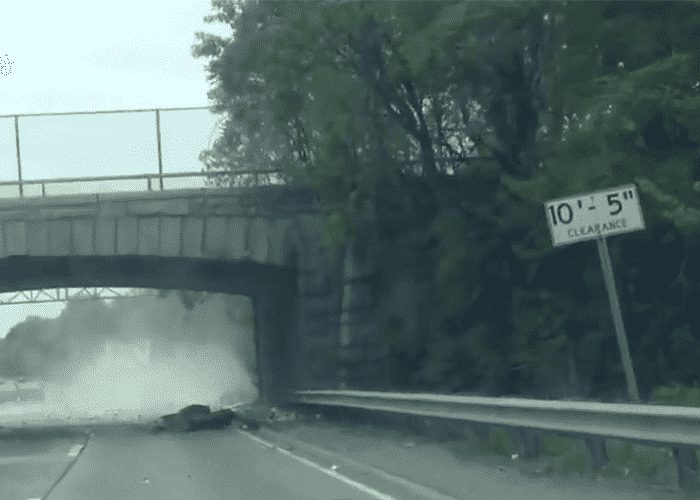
(83, 55)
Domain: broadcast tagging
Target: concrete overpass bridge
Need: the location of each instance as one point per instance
(262, 242)
(260, 238)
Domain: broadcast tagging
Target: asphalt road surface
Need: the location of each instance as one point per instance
(300, 461)
(202, 465)
(31, 462)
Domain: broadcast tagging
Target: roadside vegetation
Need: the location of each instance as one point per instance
(433, 132)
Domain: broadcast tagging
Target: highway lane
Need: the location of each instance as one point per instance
(31, 462)
(295, 461)
(432, 466)
(202, 465)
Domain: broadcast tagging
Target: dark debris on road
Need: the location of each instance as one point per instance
(198, 417)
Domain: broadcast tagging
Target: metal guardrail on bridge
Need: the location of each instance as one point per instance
(672, 426)
(251, 177)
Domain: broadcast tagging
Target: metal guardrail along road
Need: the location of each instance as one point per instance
(677, 427)
(643, 423)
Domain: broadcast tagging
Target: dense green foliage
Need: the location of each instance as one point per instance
(433, 131)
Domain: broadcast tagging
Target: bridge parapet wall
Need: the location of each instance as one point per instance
(213, 223)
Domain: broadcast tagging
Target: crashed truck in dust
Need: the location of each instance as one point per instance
(197, 417)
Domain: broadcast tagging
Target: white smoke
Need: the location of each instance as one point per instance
(164, 358)
(120, 382)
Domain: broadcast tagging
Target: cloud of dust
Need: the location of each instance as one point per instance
(148, 356)
(121, 381)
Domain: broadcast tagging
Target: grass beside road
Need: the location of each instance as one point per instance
(568, 455)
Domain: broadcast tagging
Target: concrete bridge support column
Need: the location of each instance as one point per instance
(319, 316)
(361, 355)
(274, 309)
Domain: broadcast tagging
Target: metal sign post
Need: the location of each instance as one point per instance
(595, 216)
(619, 325)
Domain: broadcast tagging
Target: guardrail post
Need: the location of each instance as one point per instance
(480, 431)
(687, 466)
(529, 443)
(19, 157)
(598, 453)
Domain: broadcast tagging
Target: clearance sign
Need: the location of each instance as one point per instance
(594, 215)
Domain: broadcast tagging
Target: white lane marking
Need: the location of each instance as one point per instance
(363, 488)
(75, 451)
(422, 490)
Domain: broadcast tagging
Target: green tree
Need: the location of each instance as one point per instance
(435, 130)
(623, 87)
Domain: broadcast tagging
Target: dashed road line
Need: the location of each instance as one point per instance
(75, 451)
(73, 454)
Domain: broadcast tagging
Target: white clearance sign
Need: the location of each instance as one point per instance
(594, 215)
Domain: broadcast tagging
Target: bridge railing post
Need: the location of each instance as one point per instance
(19, 157)
(160, 151)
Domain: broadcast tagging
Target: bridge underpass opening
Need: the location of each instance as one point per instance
(165, 355)
(220, 332)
